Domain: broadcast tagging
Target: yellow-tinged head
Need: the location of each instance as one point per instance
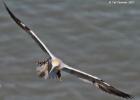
(56, 63)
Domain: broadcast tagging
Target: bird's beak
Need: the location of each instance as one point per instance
(52, 69)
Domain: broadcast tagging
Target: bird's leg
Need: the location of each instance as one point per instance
(59, 75)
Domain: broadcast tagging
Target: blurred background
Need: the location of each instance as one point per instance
(94, 36)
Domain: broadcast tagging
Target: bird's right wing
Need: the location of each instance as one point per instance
(95, 80)
(29, 31)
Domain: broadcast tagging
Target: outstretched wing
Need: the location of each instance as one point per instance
(30, 32)
(96, 81)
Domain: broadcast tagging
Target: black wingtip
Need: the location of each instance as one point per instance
(15, 18)
(111, 90)
(5, 4)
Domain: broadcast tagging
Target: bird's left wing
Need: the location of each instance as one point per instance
(29, 31)
(96, 81)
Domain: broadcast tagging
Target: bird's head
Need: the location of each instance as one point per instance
(49, 69)
(54, 72)
(55, 65)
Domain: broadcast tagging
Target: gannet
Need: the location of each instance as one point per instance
(52, 66)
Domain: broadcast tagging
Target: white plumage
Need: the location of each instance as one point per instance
(52, 67)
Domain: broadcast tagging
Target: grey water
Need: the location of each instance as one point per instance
(94, 36)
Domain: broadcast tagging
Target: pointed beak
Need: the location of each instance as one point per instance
(52, 69)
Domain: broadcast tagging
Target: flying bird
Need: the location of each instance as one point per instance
(51, 68)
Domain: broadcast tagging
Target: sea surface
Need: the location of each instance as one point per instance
(95, 36)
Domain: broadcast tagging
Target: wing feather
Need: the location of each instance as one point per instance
(96, 81)
(29, 31)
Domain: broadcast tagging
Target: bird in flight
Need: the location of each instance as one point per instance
(52, 66)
